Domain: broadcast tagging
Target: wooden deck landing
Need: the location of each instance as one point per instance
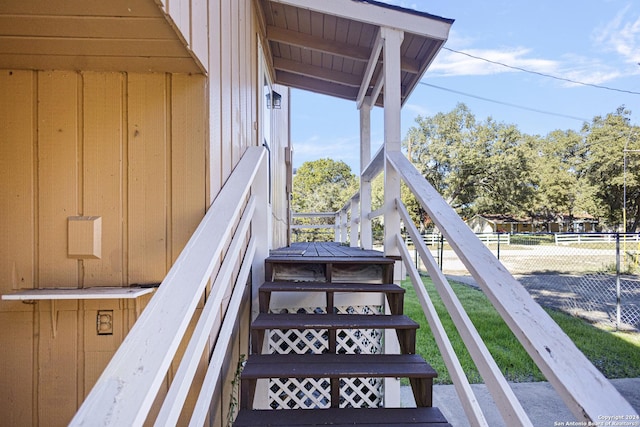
(328, 262)
(324, 249)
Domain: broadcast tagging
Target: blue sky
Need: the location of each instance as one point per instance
(590, 41)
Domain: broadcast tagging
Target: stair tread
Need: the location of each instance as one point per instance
(393, 417)
(329, 287)
(329, 259)
(332, 321)
(329, 365)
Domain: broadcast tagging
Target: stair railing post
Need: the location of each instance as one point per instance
(392, 135)
(392, 39)
(365, 186)
(260, 228)
(343, 226)
(353, 239)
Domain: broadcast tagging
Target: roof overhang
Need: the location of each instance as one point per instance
(93, 35)
(333, 46)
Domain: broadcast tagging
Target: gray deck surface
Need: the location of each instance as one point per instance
(324, 249)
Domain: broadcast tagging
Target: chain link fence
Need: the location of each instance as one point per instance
(593, 276)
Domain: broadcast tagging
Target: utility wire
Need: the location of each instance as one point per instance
(535, 110)
(541, 74)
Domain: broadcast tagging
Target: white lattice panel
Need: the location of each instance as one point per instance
(296, 393)
(359, 341)
(361, 393)
(315, 393)
(299, 342)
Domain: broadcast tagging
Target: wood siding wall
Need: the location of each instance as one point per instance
(145, 152)
(129, 148)
(281, 169)
(233, 93)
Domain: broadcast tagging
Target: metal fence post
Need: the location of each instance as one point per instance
(618, 308)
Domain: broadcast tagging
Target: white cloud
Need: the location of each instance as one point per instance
(571, 66)
(620, 35)
(450, 63)
(587, 70)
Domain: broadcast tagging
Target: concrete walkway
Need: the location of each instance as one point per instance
(539, 400)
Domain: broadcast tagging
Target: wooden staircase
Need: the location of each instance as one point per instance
(333, 275)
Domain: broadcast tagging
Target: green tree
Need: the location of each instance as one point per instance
(444, 148)
(561, 187)
(508, 182)
(606, 139)
(476, 166)
(323, 185)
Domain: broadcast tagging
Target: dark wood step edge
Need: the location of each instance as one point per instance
(405, 327)
(336, 366)
(394, 293)
(343, 417)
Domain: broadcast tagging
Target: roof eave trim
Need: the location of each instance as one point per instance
(380, 14)
(406, 10)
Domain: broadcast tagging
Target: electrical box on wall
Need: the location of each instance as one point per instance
(104, 322)
(85, 237)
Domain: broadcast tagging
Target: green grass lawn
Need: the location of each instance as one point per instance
(616, 354)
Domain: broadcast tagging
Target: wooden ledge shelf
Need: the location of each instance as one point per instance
(75, 293)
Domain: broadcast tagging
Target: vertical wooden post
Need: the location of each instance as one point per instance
(392, 104)
(365, 186)
(261, 229)
(392, 137)
(353, 233)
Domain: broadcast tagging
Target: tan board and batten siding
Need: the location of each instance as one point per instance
(145, 152)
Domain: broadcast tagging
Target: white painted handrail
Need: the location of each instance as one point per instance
(336, 226)
(375, 166)
(311, 226)
(586, 392)
(506, 401)
(343, 222)
(463, 388)
(126, 390)
(313, 215)
(181, 383)
(211, 379)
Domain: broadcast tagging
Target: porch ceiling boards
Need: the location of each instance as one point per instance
(95, 35)
(326, 46)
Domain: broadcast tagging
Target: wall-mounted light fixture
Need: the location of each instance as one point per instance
(274, 100)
